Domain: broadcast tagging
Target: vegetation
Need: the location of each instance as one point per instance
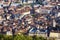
(20, 37)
